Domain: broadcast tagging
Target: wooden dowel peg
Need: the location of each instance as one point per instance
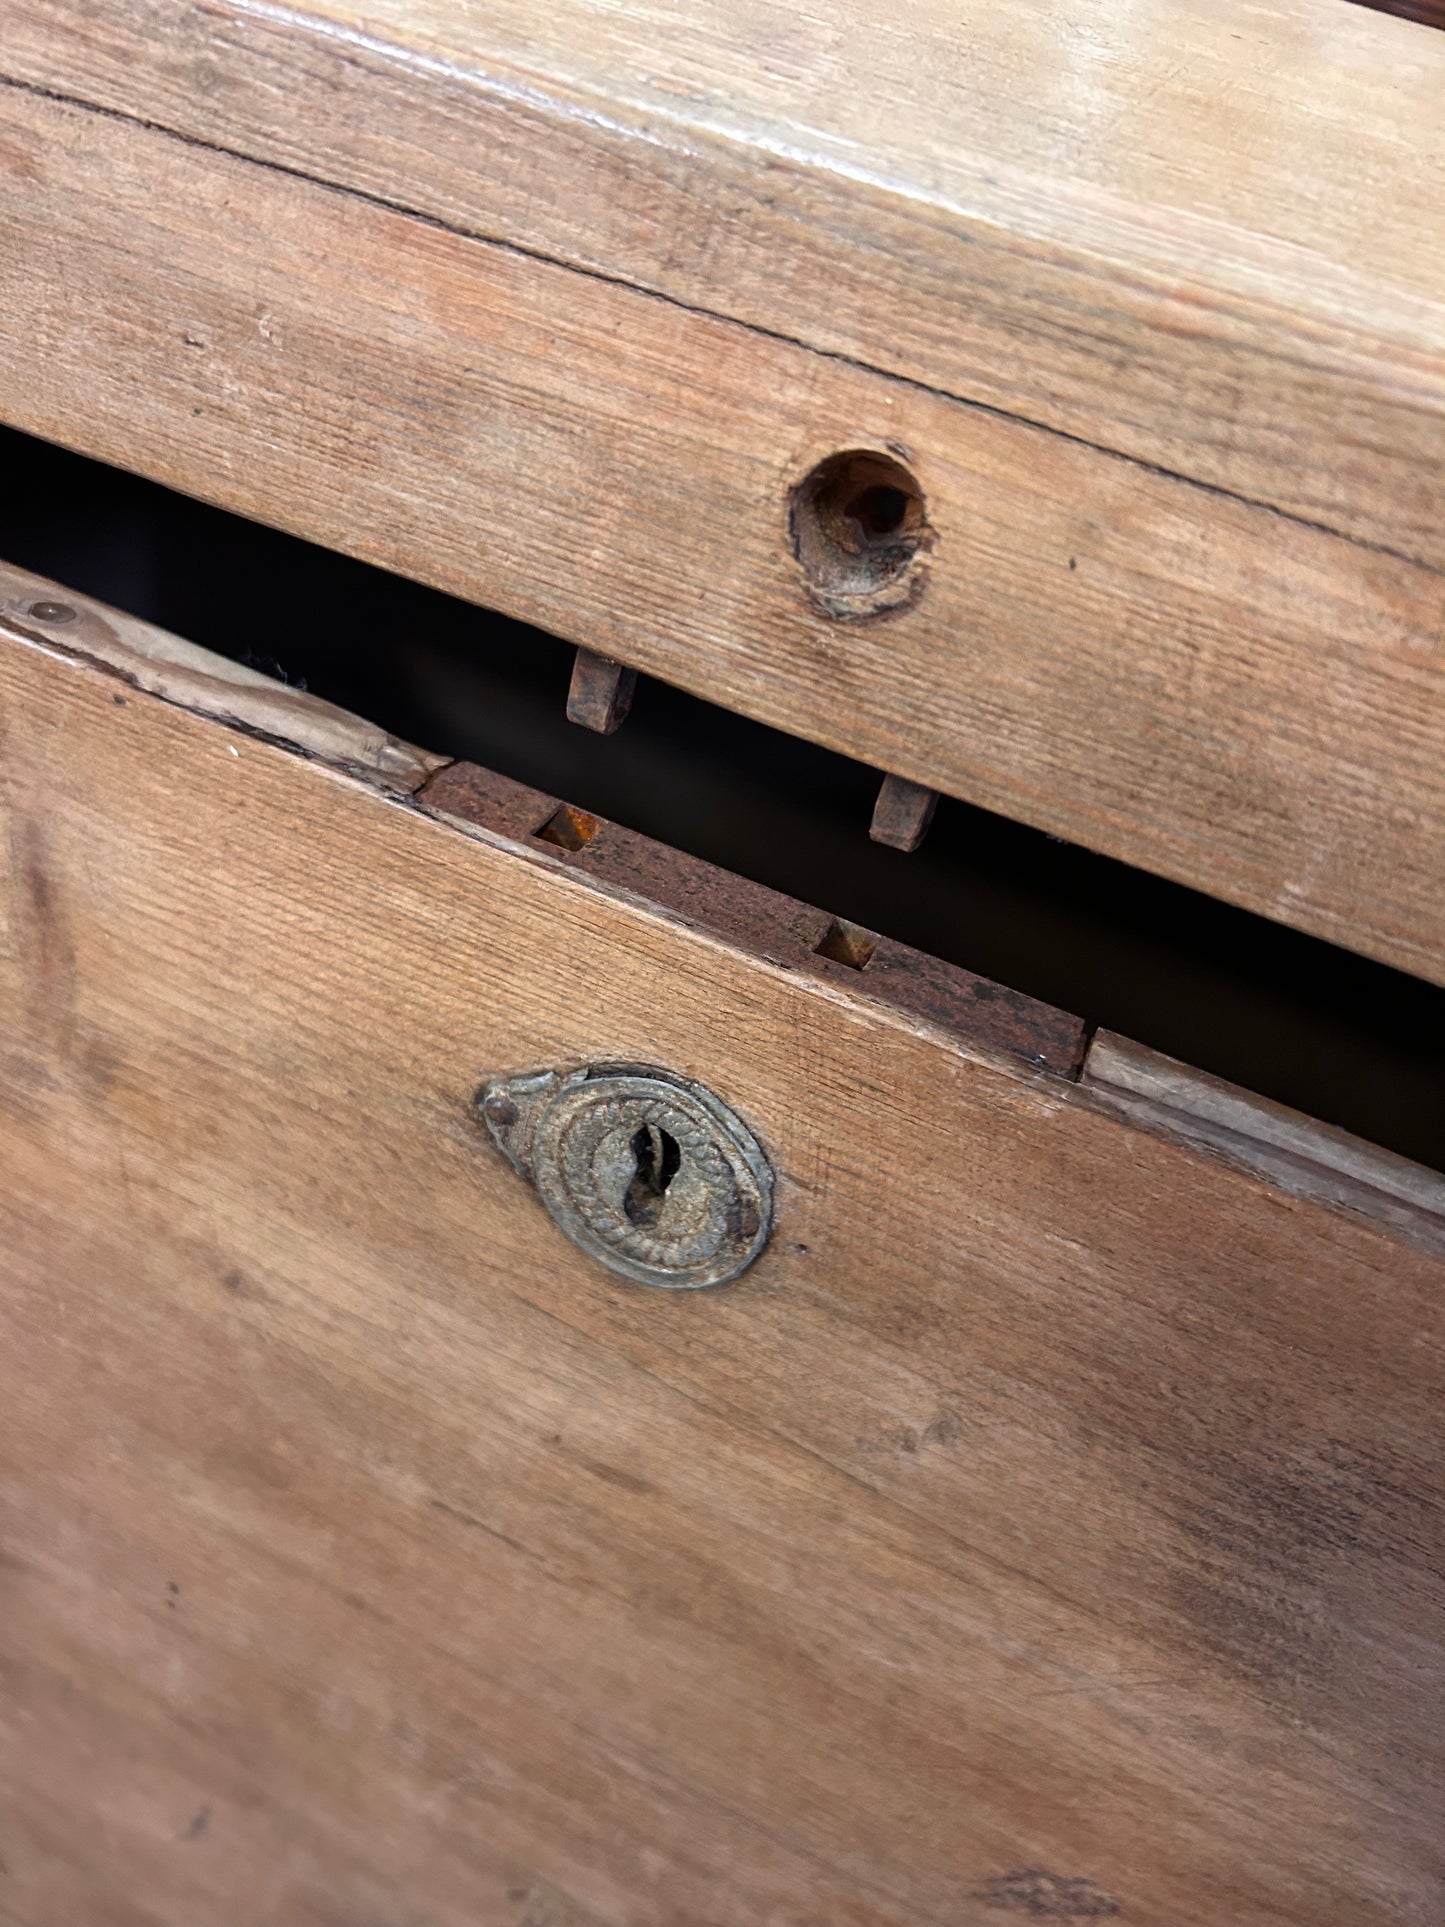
(601, 692)
(902, 814)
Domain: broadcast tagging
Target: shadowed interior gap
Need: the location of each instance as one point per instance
(1334, 1035)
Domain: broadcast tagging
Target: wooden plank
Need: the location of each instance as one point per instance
(165, 665)
(1049, 1524)
(1204, 233)
(1181, 680)
(799, 936)
(1296, 1153)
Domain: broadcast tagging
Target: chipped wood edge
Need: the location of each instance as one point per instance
(88, 649)
(90, 652)
(524, 847)
(197, 679)
(1296, 1153)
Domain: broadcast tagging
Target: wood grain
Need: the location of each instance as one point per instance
(165, 665)
(1049, 1526)
(799, 936)
(1187, 682)
(1204, 233)
(1296, 1153)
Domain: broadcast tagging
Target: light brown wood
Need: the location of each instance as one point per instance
(1049, 1524)
(1296, 1153)
(1205, 233)
(1185, 681)
(165, 665)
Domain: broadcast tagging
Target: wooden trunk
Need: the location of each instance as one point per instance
(1049, 1524)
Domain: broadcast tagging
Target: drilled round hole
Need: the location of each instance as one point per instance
(860, 527)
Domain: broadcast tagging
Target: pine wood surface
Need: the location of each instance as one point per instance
(1184, 680)
(1048, 1526)
(169, 666)
(1204, 233)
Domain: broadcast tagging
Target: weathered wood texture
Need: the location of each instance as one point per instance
(1189, 682)
(1050, 1524)
(799, 936)
(1299, 1154)
(1205, 233)
(902, 814)
(165, 665)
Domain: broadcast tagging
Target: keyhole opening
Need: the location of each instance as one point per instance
(658, 1156)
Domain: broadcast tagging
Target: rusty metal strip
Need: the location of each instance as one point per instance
(764, 921)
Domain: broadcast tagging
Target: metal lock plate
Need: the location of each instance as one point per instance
(653, 1176)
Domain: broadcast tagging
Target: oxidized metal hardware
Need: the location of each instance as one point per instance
(57, 614)
(654, 1176)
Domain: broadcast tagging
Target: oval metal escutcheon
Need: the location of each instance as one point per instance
(650, 1174)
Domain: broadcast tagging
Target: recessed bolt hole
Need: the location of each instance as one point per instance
(858, 525)
(880, 511)
(659, 1157)
(569, 829)
(845, 943)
